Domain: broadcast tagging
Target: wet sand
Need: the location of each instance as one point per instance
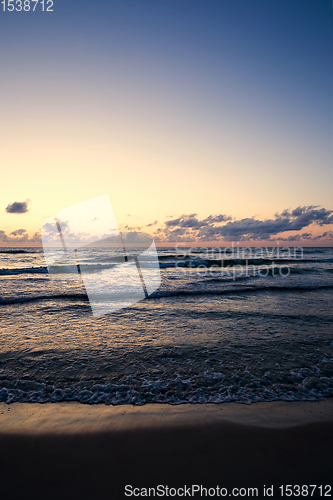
(69, 450)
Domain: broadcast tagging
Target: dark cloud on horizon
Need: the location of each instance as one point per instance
(188, 228)
(18, 232)
(306, 236)
(20, 236)
(191, 221)
(18, 207)
(223, 227)
(295, 237)
(327, 234)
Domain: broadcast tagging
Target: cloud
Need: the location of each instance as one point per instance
(131, 228)
(20, 237)
(296, 220)
(223, 227)
(152, 223)
(191, 221)
(218, 218)
(18, 232)
(328, 235)
(295, 237)
(18, 207)
(3, 237)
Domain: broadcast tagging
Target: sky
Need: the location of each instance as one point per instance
(203, 120)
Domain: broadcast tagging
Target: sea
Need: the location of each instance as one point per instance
(225, 325)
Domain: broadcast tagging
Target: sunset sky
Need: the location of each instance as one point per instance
(179, 110)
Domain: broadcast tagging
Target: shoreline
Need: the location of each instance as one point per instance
(72, 417)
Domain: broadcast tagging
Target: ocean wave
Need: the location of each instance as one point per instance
(177, 391)
(228, 279)
(178, 293)
(242, 290)
(173, 261)
(304, 270)
(271, 271)
(61, 269)
(314, 250)
(14, 251)
(23, 270)
(174, 293)
(20, 300)
(320, 260)
(261, 261)
(165, 262)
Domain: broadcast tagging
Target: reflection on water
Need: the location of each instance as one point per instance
(199, 338)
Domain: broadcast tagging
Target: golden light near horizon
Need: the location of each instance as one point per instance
(217, 135)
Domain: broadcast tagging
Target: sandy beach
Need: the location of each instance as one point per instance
(69, 450)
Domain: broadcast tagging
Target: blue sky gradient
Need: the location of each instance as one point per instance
(181, 90)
